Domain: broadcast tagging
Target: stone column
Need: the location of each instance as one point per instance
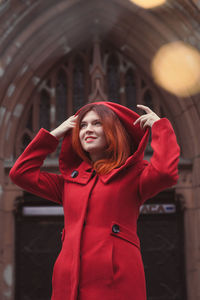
(7, 241)
(190, 198)
(196, 222)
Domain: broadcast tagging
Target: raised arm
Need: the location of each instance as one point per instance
(162, 171)
(26, 171)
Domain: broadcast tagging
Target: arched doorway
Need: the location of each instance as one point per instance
(95, 72)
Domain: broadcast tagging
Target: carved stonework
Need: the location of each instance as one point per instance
(184, 194)
(197, 3)
(3, 5)
(185, 179)
(97, 74)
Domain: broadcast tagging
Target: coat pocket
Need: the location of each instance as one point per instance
(122, 232)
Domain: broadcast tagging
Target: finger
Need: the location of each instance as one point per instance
(144, 121)
(146, 124)
(137, 121)
(143, 117)
(74, 117)
(145, 108)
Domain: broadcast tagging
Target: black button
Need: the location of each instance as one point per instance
(115, 228)
(74, 174)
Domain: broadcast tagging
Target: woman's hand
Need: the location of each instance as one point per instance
(148, 119)
(64, 127)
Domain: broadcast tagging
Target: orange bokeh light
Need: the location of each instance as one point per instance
(176, 68)
(148, 3)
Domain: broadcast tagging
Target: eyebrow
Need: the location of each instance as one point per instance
(92, 120)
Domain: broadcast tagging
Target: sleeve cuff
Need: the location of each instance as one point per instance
(162, 123)
(45, 137)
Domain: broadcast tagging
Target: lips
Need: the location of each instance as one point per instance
(90, 138)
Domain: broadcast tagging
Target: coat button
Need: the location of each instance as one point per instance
(115, 228)
(74, 174)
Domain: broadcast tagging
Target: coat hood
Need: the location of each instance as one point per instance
(69, 160)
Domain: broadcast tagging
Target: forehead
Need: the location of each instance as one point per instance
(91, 115)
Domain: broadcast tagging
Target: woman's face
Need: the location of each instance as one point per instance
(92, 136)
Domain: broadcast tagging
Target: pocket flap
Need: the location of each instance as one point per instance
(124, 233)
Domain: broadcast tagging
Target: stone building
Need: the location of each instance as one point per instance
(54, 56)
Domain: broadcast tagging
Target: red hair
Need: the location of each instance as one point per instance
(118, 141)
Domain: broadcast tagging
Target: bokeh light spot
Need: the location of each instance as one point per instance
(148, 3)
(176, 68)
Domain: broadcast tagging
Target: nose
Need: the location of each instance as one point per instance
(89, 128)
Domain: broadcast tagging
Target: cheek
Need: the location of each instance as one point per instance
(104, 140)
(81, 137)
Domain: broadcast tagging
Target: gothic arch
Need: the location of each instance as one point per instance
(23, 70)
(36, 35)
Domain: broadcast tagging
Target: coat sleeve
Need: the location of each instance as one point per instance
(162, 171)
(26, 171)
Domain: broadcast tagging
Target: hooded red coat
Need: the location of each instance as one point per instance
(100, 256)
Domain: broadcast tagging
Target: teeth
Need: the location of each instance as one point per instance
(89, 138)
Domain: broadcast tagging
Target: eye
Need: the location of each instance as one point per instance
(83, 125)
(97, 122)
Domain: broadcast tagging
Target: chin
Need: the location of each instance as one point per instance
(91, 150)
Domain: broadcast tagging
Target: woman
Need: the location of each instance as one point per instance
(102, 184)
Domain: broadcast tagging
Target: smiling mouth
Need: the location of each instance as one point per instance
(90, 138)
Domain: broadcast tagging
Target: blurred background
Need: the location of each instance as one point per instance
(55, 56)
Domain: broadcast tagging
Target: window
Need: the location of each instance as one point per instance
(70, 83)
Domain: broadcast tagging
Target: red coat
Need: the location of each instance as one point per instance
(100, 256)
